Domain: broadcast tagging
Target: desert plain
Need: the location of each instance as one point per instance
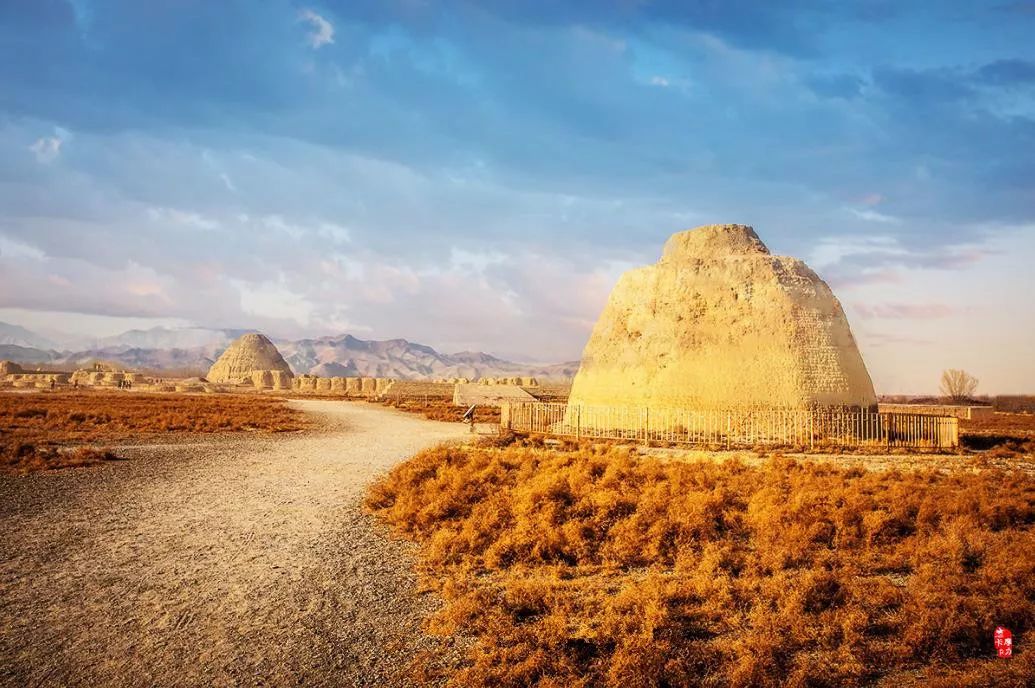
(254, 526)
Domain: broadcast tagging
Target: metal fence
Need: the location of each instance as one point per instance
(729, 428)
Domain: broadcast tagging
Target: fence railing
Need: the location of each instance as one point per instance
(730, 428)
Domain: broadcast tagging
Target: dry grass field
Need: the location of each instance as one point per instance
(1016, 403)
(1004, 435)
(599, 567)
(443, 410)
(41, 431)
(1017, 426)
(1003, 403)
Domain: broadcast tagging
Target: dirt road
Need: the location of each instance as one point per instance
(242, 560)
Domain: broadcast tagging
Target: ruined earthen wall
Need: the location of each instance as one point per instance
(961, 412)
(10, 368)
(517, 381)
(345, 386)
(262, 379)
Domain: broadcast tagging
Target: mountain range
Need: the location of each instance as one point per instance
(191, 351)
(16, 335)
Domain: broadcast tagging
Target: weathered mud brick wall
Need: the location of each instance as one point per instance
(345, 386)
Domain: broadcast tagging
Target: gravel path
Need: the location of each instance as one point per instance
(239, 560)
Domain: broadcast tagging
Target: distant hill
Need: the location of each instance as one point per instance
(25, 354)
(171, 338)
(348, 356)
(16, 335)
(196, 360)
(195, 349)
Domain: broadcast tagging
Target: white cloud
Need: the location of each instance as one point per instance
(274, 299)
(227, 182)
(659, 81)
(322, 30)
(181, 217)
(462, 260)
(832, 250)
(16, 249)
(601, 39)
(748, 72)
(335, 232)
(289, 229)
(83, 14)
(871, 215)
(48, 148)
(216, 166)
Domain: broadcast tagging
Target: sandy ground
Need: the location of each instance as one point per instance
(239, 560)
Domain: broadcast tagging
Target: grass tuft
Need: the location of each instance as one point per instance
(29, 458)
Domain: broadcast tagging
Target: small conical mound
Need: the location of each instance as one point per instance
(252, 352)
(719, 322)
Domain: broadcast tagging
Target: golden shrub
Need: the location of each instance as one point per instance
(600, 567)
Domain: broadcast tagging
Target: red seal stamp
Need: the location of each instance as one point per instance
(1003, 640)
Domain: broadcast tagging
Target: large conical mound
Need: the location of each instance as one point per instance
(252, 352)
(719, 322)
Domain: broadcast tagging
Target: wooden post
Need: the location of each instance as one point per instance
(949, 433)
(812, 434)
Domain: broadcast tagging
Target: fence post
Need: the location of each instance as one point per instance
(505, 421)
(812, 430)
(858, 427)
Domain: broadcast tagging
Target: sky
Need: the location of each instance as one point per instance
(476, 175)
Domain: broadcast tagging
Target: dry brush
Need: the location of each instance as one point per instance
(598, 567)
(52, 430)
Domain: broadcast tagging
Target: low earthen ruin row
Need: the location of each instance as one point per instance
(343, 386)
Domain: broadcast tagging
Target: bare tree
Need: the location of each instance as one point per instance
(958, 384)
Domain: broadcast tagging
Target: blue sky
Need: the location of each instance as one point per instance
(477, 175)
